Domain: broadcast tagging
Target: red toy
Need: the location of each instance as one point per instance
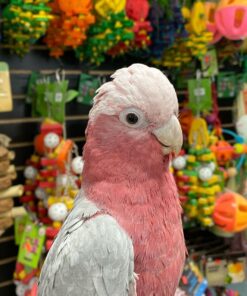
(137, 10)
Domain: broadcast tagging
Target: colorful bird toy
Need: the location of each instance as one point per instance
(53, 177)
(230, 212)
(104, 35)
(199, 37)
(68, 29)
(138, 12)
(24, 23)
(198, 176)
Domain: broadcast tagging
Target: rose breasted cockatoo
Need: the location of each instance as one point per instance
(124, 235)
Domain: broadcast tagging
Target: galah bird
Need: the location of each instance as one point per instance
(124, 235)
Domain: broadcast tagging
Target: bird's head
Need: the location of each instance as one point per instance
(139, 103)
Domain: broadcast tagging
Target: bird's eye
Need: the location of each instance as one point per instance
(132, 118)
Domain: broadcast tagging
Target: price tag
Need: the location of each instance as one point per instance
(200, 95)
(31, 245)
(199, 92)
(20, 223)
(6, 103)
(58, 97)
(210, 64)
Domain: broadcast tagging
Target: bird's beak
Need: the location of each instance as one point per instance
(170, 136)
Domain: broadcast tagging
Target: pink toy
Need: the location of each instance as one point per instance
(231, 19)
(211, 25)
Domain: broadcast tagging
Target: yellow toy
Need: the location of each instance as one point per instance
(196, 17)
(198, 177)
(195, 45)
(199, 37)
(106, 7)
(199, 133)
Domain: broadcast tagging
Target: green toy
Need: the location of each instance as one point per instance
(103, 36)
(24, 23)
(87, 86)
(226, 85)
(49, 95)
(200, 94)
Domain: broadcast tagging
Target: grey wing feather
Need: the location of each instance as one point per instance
(92, 258)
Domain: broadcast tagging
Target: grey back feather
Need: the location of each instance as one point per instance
(88, 258)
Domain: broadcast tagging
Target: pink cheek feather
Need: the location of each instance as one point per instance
(126, 174)
(116, 151)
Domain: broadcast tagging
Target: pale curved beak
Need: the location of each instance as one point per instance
(170, 136)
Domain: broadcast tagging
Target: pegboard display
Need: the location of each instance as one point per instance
(54, 49)
(21, 127)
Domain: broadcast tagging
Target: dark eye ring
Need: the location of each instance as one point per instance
(132, 118)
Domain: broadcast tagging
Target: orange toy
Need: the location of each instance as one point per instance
(69, 25)
(186, 118)
(64, 150)
(75, 6)
(223, 151)
(230, 212)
